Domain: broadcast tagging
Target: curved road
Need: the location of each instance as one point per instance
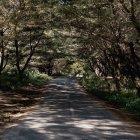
(68, 113)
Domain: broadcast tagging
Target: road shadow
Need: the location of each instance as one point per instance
(67, 113)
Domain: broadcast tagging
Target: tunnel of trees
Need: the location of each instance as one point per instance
(96, 40)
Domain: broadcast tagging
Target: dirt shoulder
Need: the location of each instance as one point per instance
(15, 104)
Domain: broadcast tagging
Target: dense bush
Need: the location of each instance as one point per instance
(10, 80)
(134, 106)
(36, 78)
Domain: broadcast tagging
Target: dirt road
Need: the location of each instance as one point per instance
(69, 114)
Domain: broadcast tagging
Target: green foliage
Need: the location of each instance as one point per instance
(10, 80)
(134, 106)
(36, 78)
(70, 35)
(76, 68)
(118, 99)
(91, 81)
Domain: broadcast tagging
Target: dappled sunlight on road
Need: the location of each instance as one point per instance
(68, 114)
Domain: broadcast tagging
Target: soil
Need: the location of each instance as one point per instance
(17, 103)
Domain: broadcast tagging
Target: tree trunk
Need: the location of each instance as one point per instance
(0, 80)
(134, 58)
(117, 84)
(2, 56)
(20, 74)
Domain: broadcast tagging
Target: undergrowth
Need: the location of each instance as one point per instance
(10, 80)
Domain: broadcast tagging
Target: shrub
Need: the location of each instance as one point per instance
(10, 80)
(119, 100)
(134, 106)
(36, 78)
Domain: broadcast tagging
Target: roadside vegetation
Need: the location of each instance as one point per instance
(10, 81)
(127, 99)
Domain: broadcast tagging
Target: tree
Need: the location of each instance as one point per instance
(105, 34)
(26, 32)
